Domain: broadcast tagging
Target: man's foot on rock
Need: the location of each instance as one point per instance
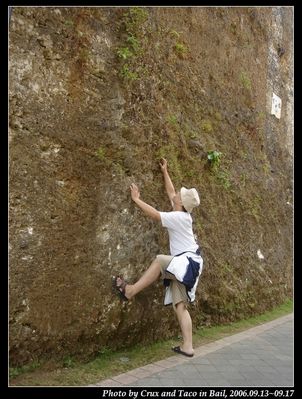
(120, 285)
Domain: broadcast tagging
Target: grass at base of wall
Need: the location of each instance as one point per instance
(109, 363)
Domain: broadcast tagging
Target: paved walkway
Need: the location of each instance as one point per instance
(259, 356)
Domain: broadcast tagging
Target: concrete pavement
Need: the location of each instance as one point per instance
(259, 356)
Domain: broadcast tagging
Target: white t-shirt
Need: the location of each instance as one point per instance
(179, 225)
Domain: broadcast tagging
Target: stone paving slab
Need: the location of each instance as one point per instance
(259, 356)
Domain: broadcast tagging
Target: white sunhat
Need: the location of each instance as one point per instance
(189, 198)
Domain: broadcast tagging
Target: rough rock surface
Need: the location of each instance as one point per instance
(97, 96)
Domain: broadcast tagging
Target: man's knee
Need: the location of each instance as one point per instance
(164, 260)
(160, 259)
(179, 307)
(157, 261)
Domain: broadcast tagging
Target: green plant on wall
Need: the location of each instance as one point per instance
(224, 178)
(222, 175)
(69, 22)
(133, 20)
(214, 157)
(15, 371)
(218, 116)
(181, 49)
(174, 33)
(245, 80)
(255, 207)
(127, 73)
(124, 53)
(206, 126)
(100, 153)
(172, 119)
(134, 43)
(68, 362)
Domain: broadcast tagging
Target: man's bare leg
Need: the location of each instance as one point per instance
(147, 278)
(185, 323)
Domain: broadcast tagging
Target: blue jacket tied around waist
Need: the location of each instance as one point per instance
(186, 268)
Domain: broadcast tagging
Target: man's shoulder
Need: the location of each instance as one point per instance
(177, 215)
(182, 214)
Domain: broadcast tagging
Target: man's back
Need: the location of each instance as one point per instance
(179, 225)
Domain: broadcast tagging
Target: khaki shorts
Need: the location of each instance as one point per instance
(179, 292)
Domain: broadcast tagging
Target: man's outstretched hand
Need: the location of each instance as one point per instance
(148, 209)
(164, 165)
(134, 192)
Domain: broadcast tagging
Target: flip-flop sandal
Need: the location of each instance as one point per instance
(178, 350)
(120, 288)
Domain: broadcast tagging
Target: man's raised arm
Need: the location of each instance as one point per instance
(168, 183)
(146, 208)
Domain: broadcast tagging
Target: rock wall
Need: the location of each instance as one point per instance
(97, 97)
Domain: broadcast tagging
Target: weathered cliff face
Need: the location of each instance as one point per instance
(97, 96)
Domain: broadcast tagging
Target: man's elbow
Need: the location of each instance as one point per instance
(171, 195)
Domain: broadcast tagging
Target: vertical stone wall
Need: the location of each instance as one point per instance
(88, 118)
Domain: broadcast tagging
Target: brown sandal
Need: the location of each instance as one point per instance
(120, 288)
